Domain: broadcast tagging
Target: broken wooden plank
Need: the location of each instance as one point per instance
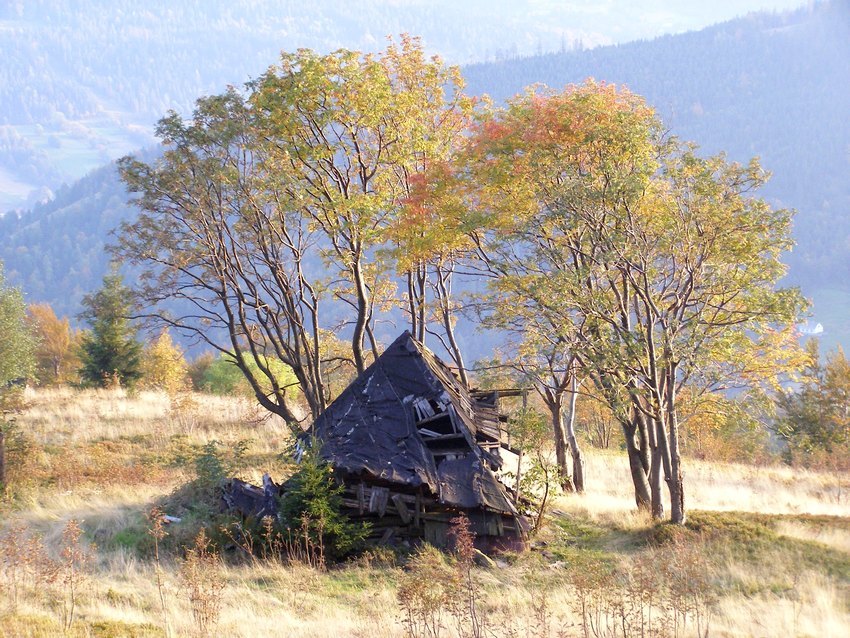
(387, 536)
(445, 437)
(423, 408)
(401, 507)
(378, 500)
(435, 417)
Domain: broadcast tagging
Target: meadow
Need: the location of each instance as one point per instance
(766, 551)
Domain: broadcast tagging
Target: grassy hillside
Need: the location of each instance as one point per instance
(769, 547)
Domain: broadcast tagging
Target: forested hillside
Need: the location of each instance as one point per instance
(768, 85)
(773, 86)
(83, 81)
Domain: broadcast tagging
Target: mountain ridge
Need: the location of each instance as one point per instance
(772, 85)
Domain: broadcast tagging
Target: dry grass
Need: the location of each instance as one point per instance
(104, 458)
(833, 536)
(70, 417)
(714, 487)
(811, 607)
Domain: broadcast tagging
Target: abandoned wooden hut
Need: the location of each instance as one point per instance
(413, 448)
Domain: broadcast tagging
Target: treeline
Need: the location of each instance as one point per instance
(72, 58)
(43, 350)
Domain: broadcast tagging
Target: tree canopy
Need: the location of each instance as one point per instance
(655, 267)
(815, 416)
(301, 209)
(268, 214)
(17, 345)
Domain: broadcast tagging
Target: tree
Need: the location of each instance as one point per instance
(109, 352)
(222, 376)
(815, 417)
(219, 240)
(16, 360)
(653, 266)
(163, 365)
(542, 360)
(267, 217)
(348, 134)
(56, 354)
(530, 435)
(18, 343)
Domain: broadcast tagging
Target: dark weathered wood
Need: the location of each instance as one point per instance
(436, 417)
(387, 536)
(378, 500)
(361, 497)
(401, 507)
(444, 437)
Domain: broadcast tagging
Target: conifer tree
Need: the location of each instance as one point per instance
(110, 352)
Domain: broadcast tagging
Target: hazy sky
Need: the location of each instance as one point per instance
(597, 22)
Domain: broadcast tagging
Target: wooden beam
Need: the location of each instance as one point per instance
(400, 505)
(387, 536)
(378, 500)
(361, 498)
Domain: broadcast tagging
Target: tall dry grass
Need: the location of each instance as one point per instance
(105, 458)
(717, 487)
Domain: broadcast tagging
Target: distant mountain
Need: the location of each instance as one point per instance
(83, 81)
(776, 86)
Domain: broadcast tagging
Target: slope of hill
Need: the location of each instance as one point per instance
(778, 565)
(773, 86)
(82, 81)
(769, 85)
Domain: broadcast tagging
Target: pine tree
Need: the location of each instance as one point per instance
(109, 351)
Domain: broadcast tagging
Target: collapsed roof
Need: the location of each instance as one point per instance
(408, 421)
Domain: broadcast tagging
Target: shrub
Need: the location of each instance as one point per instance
(203, 581)
(311, 514)
(222, 376)
(428, 593)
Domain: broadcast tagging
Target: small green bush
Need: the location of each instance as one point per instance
(221, 376)
(311, 513)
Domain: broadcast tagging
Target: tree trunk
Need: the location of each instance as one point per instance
(566, 481)
(442, 288)
(416, 301)
(676, 481)
(636, 465)
(643, 441)
(578, 459)
(359, 335)
(657, 508)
